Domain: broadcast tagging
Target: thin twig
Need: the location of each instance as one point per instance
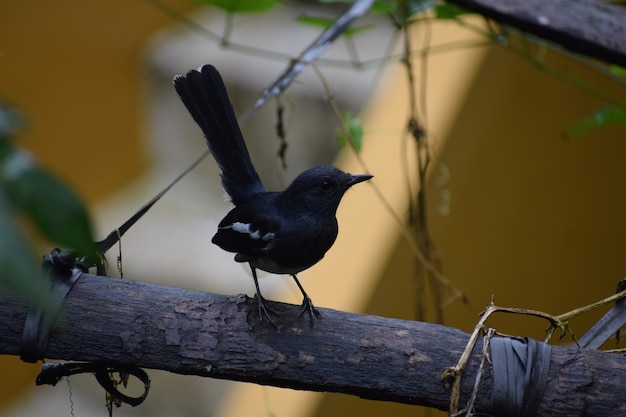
(560, 321)
(407, 236)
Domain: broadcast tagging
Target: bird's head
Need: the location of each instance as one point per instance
(320, 189)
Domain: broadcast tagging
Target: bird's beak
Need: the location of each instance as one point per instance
(355, 179)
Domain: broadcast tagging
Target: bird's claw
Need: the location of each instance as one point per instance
(265, 311)
(307, 305)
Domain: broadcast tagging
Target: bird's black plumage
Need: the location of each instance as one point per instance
(205, 97)
(280, 232)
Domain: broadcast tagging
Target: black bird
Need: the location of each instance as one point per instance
(280, 232)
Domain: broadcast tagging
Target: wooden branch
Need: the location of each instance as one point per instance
(589, 27)
(218, 336)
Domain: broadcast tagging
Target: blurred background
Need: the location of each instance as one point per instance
(516, 210)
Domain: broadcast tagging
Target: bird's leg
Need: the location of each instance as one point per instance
(307, 304)
(263, 311)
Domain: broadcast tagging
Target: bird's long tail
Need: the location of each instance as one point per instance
(204, 94)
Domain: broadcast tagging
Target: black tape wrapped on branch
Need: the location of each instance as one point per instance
(520, 372)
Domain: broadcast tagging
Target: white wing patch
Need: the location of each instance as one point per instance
(246, 228)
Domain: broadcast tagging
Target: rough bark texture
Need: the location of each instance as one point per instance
(219, 336)
(589, 27)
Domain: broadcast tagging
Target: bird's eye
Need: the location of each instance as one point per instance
(325, 185)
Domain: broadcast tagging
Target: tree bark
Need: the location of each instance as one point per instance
(589, 27)
(188, 332)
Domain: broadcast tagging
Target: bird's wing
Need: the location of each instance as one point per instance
(249, 233)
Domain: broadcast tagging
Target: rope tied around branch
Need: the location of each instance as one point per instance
(51, 373)
(63, 270)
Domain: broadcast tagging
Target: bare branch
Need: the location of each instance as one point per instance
(187, 332)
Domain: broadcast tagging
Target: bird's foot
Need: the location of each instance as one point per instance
(307, 306)
(264, 311)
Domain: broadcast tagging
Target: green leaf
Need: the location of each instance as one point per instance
(605, 116)
(355, 131)
(321, 22)
(243, 6)
(56, 211)
(379, 6)
(449, 11)
(387, 6)
(325, 23)
(19, 269)
(617, 70)
(419, 6)
(384, 6)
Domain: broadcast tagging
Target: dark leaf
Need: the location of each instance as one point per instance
(51, 205)
(449, 11)
(11, 120)
(19, 269)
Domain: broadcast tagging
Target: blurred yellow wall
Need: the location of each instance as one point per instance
(74, 68)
